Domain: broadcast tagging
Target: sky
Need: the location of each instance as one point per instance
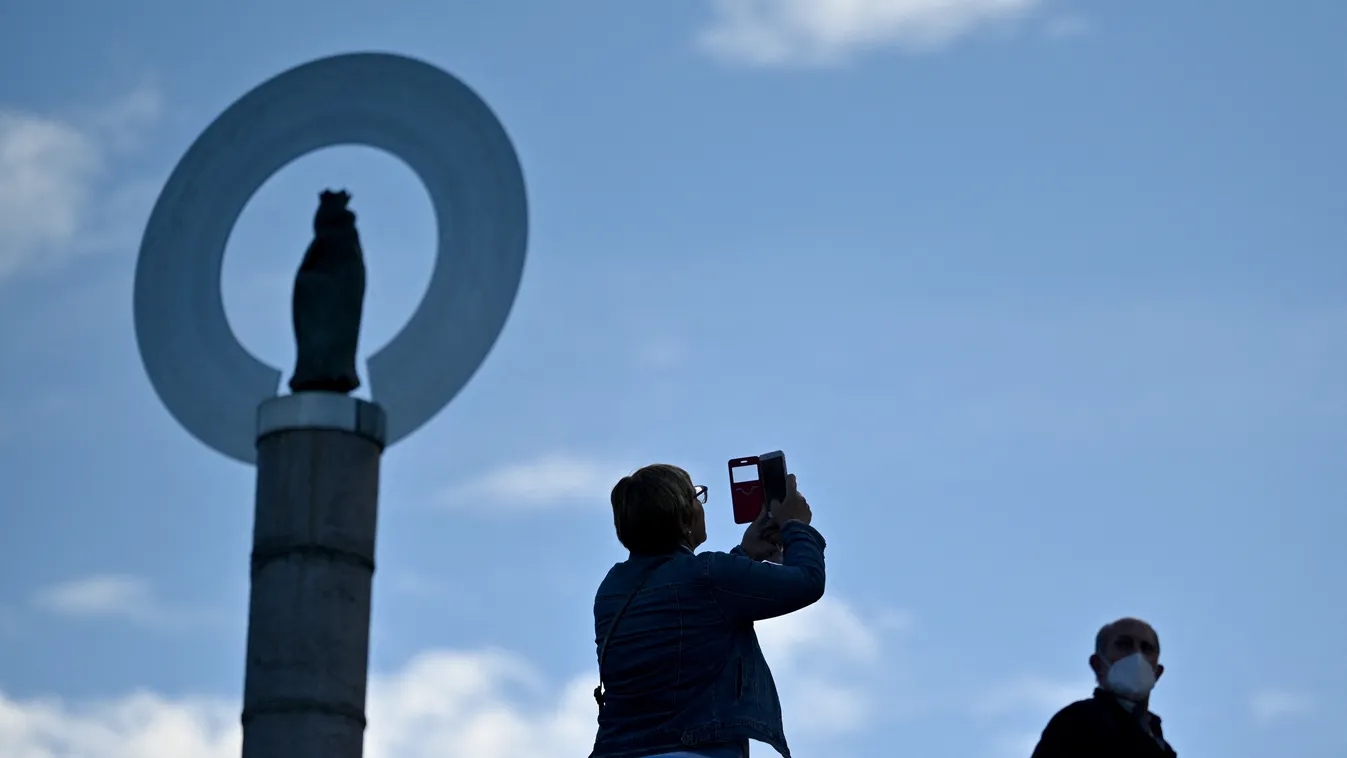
(1044, 300)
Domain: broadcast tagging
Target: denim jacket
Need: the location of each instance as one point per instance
(683, 668)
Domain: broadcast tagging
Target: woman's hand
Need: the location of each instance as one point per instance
(762, 539)
(795, 507)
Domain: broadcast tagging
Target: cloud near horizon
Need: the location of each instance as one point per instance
(1275, 706)
(826, 32)
(57, 198)
(117, 596)
(486, 703)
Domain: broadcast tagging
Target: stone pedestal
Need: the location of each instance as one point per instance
(312, 569)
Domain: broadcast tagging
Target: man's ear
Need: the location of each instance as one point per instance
(1159, 671)
(1096, 663)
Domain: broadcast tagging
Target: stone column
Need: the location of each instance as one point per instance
(312, 569)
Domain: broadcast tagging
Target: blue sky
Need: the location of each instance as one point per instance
(1043, 299)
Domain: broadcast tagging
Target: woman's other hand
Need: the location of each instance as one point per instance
(762, 539)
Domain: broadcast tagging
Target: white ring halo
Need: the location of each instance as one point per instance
(453, 142)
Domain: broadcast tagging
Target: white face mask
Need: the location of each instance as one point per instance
(1131, 677)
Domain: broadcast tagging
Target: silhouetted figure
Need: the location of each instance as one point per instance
(682, 675)
(328, 299)
(1117, 721)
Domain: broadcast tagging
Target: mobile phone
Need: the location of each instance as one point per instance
(772, 473)
(746, 489)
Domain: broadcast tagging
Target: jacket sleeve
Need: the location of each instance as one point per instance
(748, 590)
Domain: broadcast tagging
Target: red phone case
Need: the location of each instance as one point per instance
(749, 498)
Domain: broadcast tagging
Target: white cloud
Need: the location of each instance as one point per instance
(56, 200)
(490, 704)
(113, 596)
(486, 704)
(122, 124)
(823, 32)
(822, 654)
(107, 595)
(1272, 706)
(139, 725)
(46, 169)
(547, 481)
(1032, 696)
(829, 625)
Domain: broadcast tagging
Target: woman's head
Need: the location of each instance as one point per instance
(658, 509)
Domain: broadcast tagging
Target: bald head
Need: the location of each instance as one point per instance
(1134, 633)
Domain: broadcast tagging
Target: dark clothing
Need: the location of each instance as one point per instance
(683, 669)
(1102, 727)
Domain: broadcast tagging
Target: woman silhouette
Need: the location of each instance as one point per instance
(681, 672)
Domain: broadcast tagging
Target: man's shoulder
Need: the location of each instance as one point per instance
(1077, 730)
(1082, 713)
(1087, 705)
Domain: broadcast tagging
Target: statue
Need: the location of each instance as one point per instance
(328, 299)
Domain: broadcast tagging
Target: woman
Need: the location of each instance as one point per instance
(681, 672)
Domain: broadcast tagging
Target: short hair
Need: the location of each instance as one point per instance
(1105, 634)
(652, 507)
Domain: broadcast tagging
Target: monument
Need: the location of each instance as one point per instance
(317, 450)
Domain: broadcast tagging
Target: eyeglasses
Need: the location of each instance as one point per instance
(700, 491)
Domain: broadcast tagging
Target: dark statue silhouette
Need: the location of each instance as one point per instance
(328, 299)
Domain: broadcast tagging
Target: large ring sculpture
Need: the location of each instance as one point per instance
(449, 137)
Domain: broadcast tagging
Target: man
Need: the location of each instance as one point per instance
(1116, 722)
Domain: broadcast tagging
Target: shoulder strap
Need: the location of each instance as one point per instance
(603, 646)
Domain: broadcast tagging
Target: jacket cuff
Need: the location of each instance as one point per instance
(804, 530)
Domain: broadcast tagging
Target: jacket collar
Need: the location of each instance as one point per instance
(682, 550)
(1113, 701)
